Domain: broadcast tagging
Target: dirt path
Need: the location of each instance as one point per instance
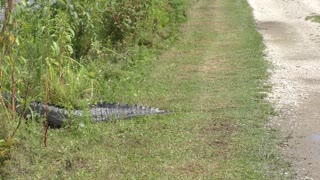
(293, 46)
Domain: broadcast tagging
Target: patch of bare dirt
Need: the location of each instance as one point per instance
(293, 46)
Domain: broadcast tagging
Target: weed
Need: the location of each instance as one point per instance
(69, 52)
(313, 18)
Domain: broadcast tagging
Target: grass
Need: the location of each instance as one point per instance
(313, 18)
(213, 78)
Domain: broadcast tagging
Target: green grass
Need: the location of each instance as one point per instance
(213, 78)
(313, 18)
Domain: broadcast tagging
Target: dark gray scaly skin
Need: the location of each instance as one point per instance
(98, 112)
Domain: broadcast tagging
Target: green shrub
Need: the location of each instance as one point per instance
(74, 52)
(63, 50)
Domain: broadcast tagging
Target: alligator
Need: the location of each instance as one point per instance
(99, 112)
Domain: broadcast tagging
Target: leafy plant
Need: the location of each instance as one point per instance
(71, 53)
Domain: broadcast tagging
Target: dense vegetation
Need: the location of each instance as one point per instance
(71, 53)
(214, 79)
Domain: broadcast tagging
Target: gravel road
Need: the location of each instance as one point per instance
(293, 46)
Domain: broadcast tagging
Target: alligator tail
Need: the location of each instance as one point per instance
(104, 111)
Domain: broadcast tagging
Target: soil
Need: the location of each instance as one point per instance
(293, 46)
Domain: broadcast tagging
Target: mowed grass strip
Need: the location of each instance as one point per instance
(213, 79)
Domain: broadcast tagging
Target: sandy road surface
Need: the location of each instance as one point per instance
(293, 46)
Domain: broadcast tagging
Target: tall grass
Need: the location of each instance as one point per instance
(70, 52)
